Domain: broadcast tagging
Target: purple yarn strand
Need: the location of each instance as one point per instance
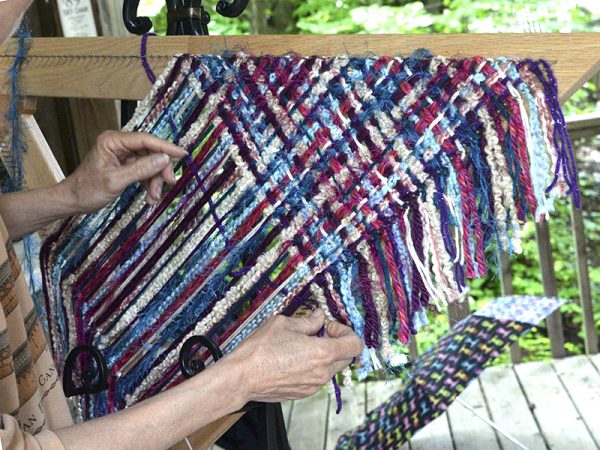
(143, 53)
(336, 386)
(338, 395)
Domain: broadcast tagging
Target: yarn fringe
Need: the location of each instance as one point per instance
(374, 187)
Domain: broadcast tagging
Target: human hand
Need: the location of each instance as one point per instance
(283, 359)
(117, 160)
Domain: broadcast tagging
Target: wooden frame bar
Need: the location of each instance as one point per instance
(110, 67)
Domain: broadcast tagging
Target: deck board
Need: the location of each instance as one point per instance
(308, 414)
(435, 436)
(468, 431)
(582, 382)
(509, 408)
(352, 414)
(287, 409)
(551, 404)
(558, 418)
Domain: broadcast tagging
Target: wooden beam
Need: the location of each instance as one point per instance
(40, 166)
(207, 436)
(110, 67)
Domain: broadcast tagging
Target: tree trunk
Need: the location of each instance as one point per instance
(434, 6)
(282, 18)
(258, 17)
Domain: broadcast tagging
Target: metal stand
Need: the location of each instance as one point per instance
(184, 17)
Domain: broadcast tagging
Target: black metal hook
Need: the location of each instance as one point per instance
(134, 23)
(184, 17)
(189, 366)
(187, 17)
(94, 379)
(232, 9)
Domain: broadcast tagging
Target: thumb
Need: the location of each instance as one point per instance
(336, 329)
(344, 342)
(143, 168)
(309, 325)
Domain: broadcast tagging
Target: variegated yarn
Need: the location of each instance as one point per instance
(371, 186)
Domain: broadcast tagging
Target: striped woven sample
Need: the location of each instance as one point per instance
(373, 187)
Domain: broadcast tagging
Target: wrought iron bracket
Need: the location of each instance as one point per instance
(184, 17)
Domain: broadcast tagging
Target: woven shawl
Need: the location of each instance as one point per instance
(373, 187)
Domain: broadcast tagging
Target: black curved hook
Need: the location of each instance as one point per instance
(134, 23)
(93, 379)
(232, 9)
(189, 366)
(185, 16)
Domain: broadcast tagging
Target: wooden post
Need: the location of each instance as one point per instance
(506, 288)
(584, 126)
(457, 311)
(554, 321)
(583, 280)
(413, 350)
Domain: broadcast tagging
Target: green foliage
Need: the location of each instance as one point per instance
(218, 24)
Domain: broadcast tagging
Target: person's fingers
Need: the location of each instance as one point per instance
(337, 329)
(308, 325)
(346, 346)
(146, 183)
(339, 365)
(122, 144)
(143, 168)
(168, 174)
(155, 187)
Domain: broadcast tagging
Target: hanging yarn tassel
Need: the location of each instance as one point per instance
(372, 186)
(17, 147)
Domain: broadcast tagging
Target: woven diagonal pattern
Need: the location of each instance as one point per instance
(439, 376)
(372, 187)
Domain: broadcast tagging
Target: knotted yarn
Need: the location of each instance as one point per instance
(370, 186)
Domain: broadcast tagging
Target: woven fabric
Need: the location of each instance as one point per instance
(443, 372)
(370, 186)
(524, 308)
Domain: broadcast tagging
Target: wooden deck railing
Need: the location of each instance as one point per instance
(579, 127)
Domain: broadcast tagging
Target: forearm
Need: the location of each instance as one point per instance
(163, 420)
(28, 211)
(11, 12)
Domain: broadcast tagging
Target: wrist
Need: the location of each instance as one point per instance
(231, 377)
(243, 377)
(66, 194)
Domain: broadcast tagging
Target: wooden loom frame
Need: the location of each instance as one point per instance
(110, 68)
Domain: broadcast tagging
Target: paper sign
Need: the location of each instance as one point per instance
(77, 18)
